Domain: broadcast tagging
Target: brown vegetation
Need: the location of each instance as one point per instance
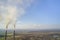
(36, 36)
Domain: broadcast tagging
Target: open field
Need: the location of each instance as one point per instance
(34, 36)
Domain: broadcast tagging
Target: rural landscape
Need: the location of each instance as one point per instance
(32, 35)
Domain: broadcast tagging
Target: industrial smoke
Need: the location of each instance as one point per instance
(10, 10)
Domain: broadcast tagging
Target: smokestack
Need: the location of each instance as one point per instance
(14, 32)
(6, 35)
(6, 32)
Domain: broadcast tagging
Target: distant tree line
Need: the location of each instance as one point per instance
(1, 35)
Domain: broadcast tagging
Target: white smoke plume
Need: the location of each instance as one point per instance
(11, 9)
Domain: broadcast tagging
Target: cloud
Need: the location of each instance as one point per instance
(30, 26)
(27, 26)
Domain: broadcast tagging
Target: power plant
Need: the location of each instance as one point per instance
(6, 32)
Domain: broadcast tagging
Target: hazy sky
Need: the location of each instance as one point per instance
(32, 14)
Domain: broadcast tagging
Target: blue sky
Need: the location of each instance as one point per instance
(30, 14)
(43, 12)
